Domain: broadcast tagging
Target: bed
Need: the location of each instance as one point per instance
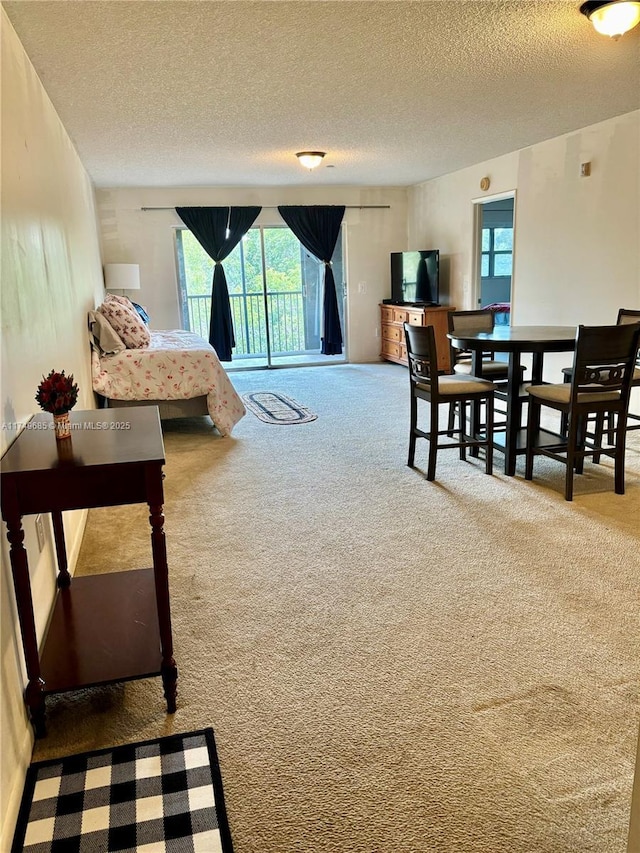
(178, 371)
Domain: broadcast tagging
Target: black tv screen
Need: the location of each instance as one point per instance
(415, 277)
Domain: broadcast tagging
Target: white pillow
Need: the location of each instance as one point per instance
(105, 336)
(126, 322)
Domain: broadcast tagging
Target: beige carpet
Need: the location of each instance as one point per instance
(390, 665)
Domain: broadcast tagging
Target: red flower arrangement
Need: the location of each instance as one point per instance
(57, 393)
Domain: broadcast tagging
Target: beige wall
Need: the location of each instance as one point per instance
(577, 247)
(51, 276)
(130, 235)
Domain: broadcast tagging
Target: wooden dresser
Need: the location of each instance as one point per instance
(393, 316)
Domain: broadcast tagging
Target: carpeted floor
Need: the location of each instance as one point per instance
(390, 665)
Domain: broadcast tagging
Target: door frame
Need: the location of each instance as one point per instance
(476, 246)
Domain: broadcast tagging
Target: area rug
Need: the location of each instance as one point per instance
(153, 797)
(275, 408)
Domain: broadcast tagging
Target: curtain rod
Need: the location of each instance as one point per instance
(275, 206)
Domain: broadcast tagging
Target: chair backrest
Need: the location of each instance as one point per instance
(421, 353)
(627, 316)
(605, 358)
(468, 323)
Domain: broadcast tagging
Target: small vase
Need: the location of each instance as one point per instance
(62, 426)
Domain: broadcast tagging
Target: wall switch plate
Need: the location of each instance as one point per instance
(362, 287)
(40, 532)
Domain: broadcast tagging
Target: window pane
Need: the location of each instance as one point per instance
(503, 239)
(484, 268)
(502, 264)
(486, 239)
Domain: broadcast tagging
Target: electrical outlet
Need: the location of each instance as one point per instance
(40, 532)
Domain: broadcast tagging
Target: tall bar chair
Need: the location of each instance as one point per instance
(426, 384)
(600, 385)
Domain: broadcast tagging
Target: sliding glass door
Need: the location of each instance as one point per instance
(275, 291)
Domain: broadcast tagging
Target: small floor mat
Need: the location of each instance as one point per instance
(274, 408)
(160, 796)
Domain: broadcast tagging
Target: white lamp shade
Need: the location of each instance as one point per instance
(122, 276)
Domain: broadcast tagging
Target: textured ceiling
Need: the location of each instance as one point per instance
(205, 93)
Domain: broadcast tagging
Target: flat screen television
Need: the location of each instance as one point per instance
(415, 278)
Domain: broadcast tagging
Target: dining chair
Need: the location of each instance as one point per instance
(426, 384)
(470, 323)
(473, 322)
(600, 385)
(626, 316)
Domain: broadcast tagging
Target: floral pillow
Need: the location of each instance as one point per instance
(125, 321)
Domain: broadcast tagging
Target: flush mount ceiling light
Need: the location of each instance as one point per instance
(310, 159)
(612, 18)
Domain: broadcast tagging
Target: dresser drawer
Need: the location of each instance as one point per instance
(400, 315)
(393, 333)
(416, 318)
(386, 313)
(392, 349)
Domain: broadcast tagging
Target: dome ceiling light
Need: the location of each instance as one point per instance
(310, 159)
(612, 17)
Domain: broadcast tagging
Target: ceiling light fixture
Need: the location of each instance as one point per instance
(612, 17)
(310, 159)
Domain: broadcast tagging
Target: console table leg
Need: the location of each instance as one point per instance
(161, 574)
(64, 578)
(34, 693)
(34, 697)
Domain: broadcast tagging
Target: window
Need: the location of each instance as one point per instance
(497, 252)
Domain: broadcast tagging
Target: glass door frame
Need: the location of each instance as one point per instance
(314, 359)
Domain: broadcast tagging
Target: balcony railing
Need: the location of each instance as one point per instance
(286, 322)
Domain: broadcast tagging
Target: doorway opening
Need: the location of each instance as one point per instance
(494, 256)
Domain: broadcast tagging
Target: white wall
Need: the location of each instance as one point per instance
(51, 276)
(130, 235)
(577, 247)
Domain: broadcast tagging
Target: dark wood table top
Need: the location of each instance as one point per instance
(98, 437)
(519, 339)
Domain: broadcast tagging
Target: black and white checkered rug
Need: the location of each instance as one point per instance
(160, 796)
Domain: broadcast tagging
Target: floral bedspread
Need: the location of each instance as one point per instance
(177, 365)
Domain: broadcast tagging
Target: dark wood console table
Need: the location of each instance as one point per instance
(106, 627)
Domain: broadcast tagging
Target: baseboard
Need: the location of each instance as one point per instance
(10, 817)
(25, 749)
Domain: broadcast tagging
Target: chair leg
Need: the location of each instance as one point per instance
(533, 425)
(598, 438)
(620, 440)
(452, 419)
(433, 442)
(489, 434)
(462, 410)
(572, 440)
(581, 437)
(412, 430)
(564, 418)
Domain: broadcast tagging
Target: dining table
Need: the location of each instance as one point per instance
(515, 341)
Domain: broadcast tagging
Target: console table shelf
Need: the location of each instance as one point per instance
(106, 627)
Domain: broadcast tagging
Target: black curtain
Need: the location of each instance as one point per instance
(209, 226)
(317, 227)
